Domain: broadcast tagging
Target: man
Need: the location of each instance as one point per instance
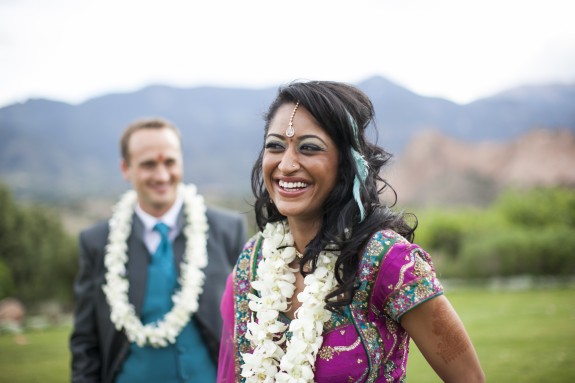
(150, 279)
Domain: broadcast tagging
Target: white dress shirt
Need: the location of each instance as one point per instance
(151, 237)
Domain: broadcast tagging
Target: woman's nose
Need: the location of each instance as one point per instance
(289, 162)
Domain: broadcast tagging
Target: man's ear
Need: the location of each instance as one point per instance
(124, 167)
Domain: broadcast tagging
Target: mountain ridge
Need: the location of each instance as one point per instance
(54, 150)
(436, 169)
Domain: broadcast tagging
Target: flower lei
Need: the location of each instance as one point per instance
(275, 284)
(122, 312)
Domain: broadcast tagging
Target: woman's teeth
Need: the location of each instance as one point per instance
(292, 185)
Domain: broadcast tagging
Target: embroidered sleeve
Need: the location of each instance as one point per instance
(406, 279)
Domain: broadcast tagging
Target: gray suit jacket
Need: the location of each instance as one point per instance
(98, 349)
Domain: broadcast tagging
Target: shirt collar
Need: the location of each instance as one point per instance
(170, 218)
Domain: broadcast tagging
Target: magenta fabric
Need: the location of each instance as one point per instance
(366, 343)
(226, 362)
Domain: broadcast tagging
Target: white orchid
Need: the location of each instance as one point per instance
(185, 299)
(275, 284)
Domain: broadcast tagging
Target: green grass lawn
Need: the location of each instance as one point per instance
(44, 358)
(523, 336)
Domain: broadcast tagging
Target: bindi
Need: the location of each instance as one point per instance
(290, 130)
(453, 342)
(161, 157)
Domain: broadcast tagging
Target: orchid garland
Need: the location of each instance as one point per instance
(275, 283)
(185, 299)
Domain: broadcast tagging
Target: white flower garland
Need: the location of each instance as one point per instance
(185, 299)
(275, 284)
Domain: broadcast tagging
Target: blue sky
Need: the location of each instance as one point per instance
(71, 50)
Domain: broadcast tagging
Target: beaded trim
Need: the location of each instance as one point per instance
(328, 352)
(290, 130)
(369, 267)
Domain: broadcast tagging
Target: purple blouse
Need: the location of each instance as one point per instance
(365, 342)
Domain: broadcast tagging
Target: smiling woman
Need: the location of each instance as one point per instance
(346, 309)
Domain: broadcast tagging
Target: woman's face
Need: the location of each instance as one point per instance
(300, 171)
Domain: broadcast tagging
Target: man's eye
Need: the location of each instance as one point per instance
(148, 165)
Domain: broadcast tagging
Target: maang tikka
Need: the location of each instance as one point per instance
(290, 130)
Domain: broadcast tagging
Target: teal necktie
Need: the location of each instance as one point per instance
(164, 254)
(162, 279)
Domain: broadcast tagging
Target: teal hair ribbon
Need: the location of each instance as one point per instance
(361, 167)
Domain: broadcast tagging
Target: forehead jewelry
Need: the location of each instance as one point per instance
(290, 130)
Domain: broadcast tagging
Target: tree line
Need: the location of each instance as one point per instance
(529, 232)
(38, 258)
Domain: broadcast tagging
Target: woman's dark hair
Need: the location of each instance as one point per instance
(333, 105)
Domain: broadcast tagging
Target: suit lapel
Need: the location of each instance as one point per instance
(138, 259)
(216, 272)
(179, 244)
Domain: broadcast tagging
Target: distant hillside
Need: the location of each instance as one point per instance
(440, 170)
(53, 150)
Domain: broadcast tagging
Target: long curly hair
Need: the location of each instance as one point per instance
(332, 104)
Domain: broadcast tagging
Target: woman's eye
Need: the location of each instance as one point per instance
(310, 148)
(273, 146)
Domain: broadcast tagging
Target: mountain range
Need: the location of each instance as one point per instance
(50, 150)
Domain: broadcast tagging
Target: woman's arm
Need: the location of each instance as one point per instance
(441, 337)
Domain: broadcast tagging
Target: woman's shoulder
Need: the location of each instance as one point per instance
(391, 251)
(382, 246)
(390, 234)
(403, 273)
(251, 243)
(386, 239)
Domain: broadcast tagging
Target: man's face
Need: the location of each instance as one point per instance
(154, 168)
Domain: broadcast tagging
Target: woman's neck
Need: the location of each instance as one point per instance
(303, 231)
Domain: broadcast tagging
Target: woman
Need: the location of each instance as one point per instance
(332, 289)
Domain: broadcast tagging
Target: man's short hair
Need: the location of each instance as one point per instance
(147, 123)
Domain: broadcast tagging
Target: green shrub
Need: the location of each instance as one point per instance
(6, 283)
(539, 207)
(548, 251)
(524, 232)
(38, 256)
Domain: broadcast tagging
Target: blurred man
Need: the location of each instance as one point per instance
(151, 278)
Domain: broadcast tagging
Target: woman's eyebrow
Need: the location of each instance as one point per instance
(275, 135)
(312, 136)
(281, 137)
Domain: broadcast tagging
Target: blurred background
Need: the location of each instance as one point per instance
(475, 99)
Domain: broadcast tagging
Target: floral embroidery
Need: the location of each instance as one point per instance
(418, 291)
(241, 289)
(328, 352)
(337, 320)
(373, 344)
